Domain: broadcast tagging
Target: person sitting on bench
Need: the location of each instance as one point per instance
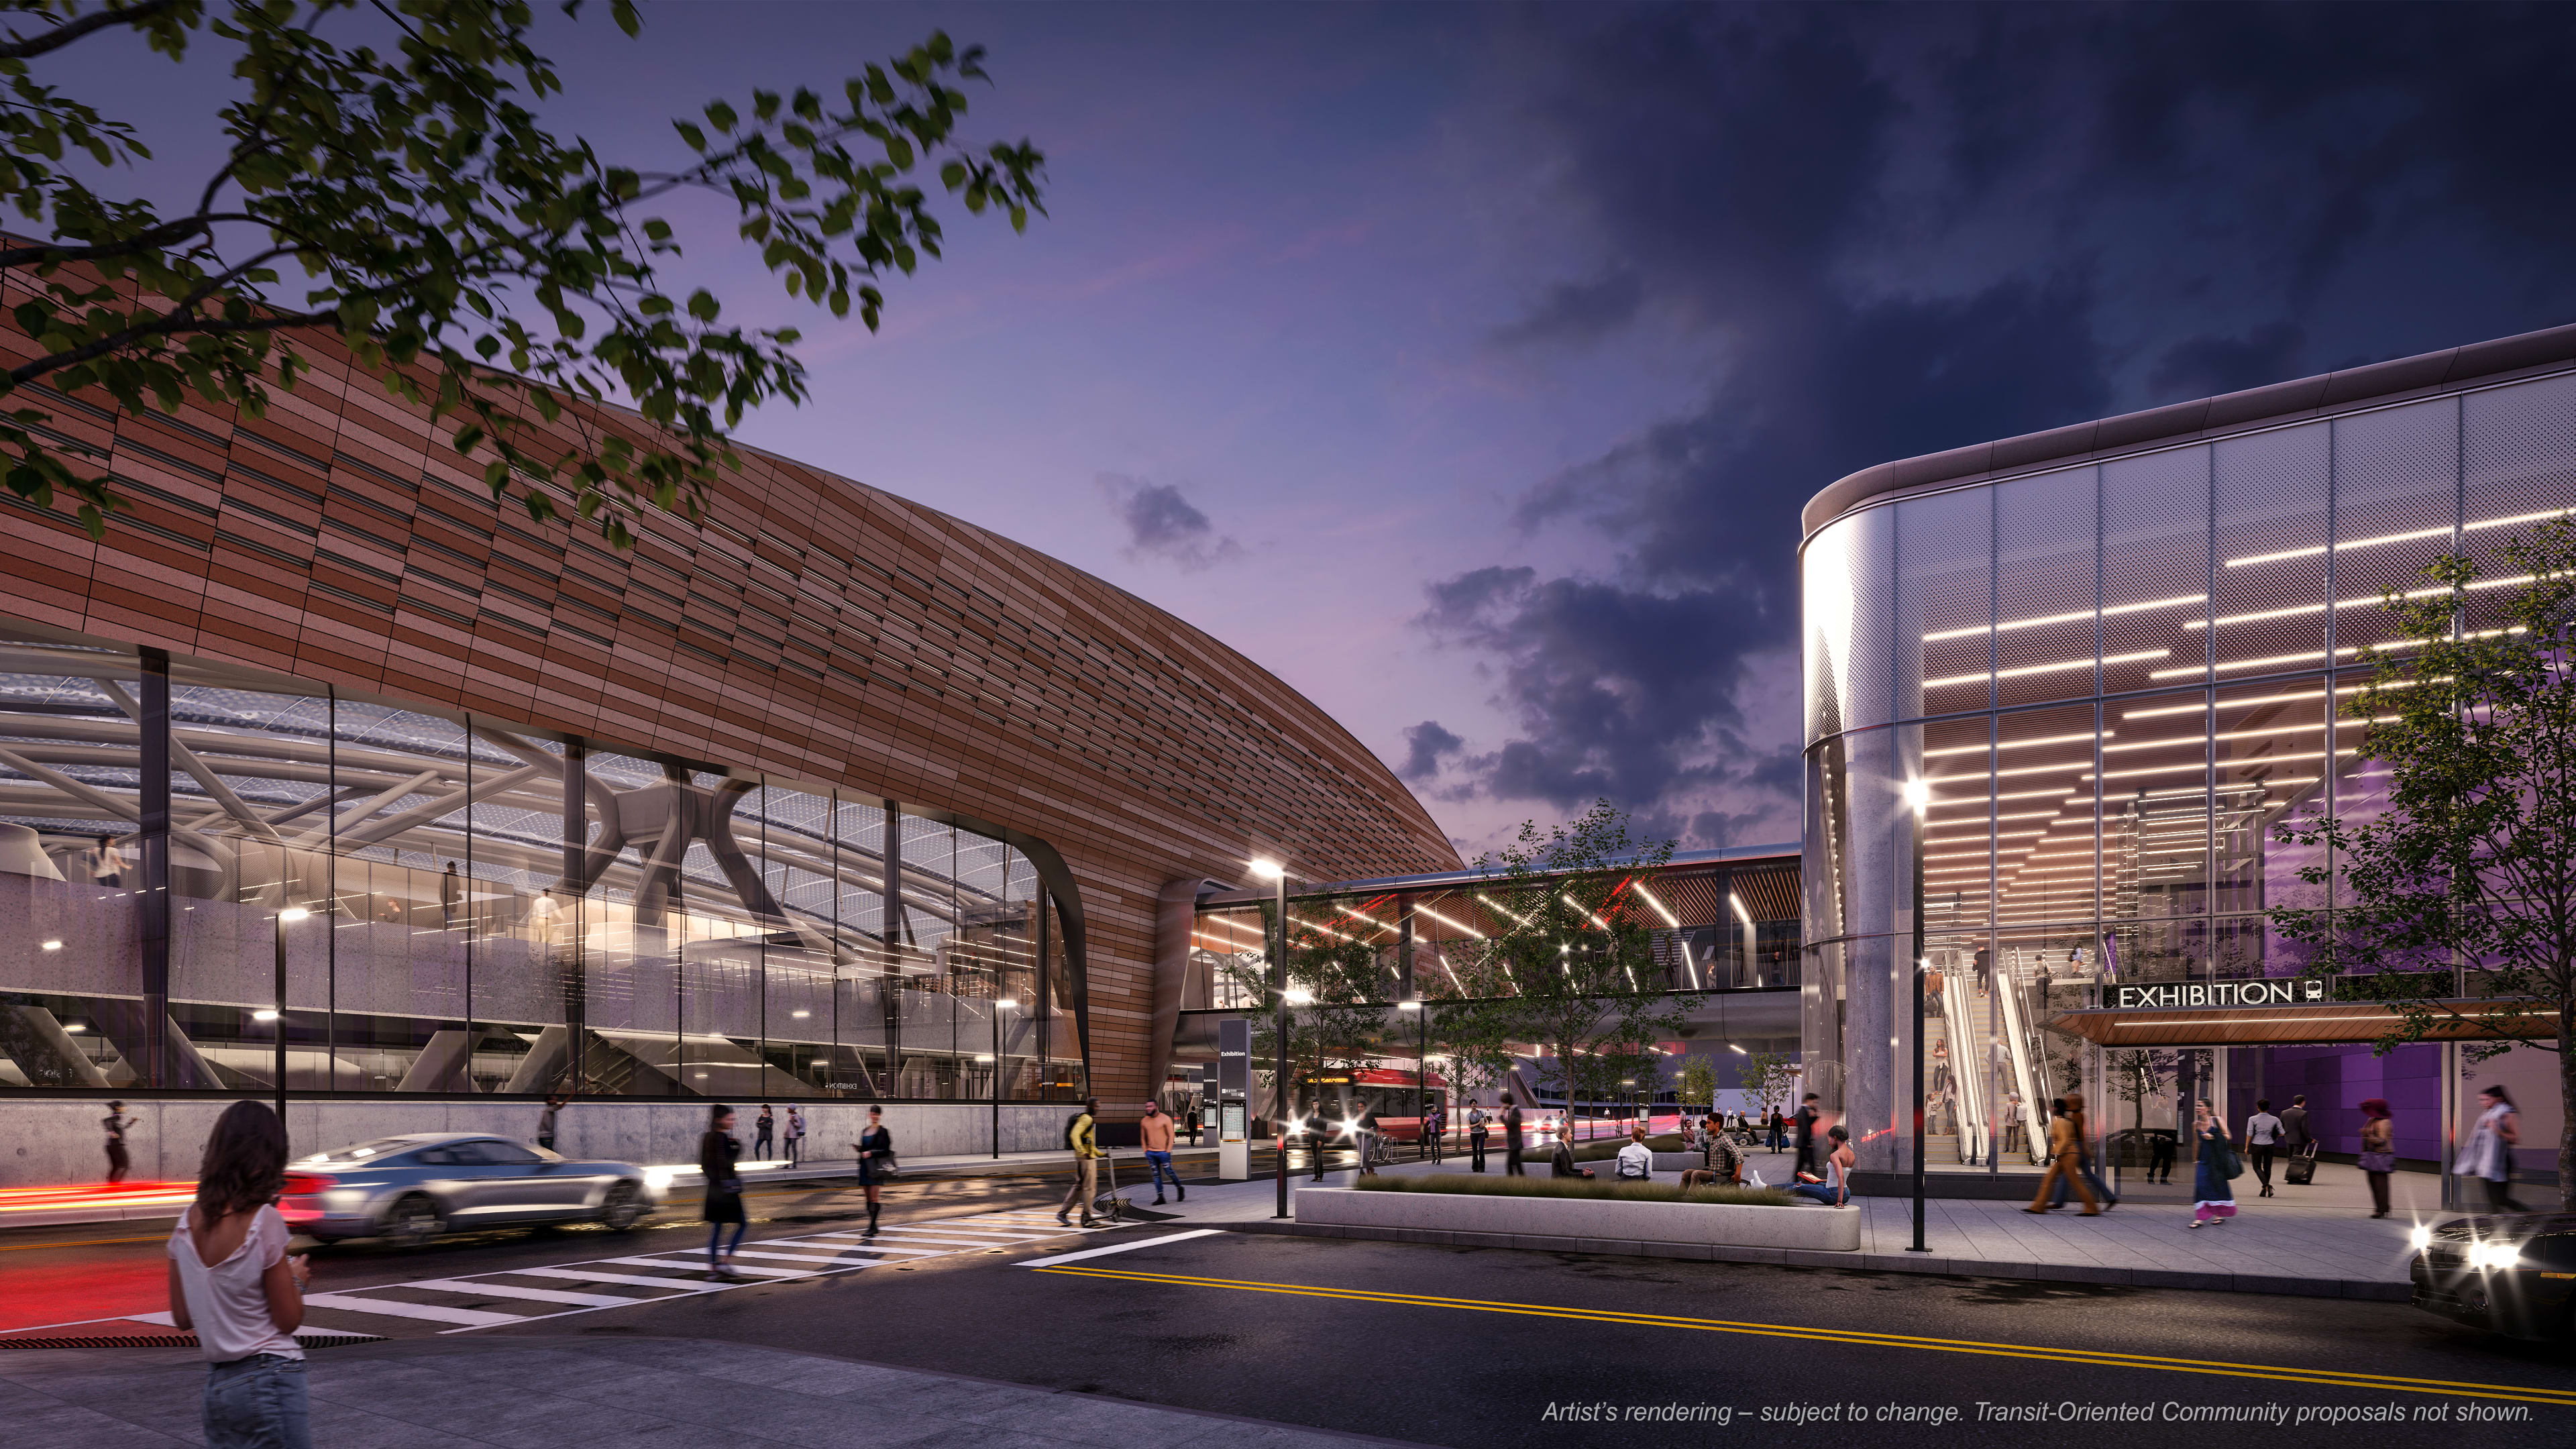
(1561, 1164)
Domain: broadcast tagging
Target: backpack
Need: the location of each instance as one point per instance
(1071, 1123)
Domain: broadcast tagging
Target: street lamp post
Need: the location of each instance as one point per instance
(277, 1003)
(1000, 1005)
(1918, 793)
(1279, 1057)
(1421, 1076)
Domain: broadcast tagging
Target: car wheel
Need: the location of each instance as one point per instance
(413, 1221)
(621, 1207)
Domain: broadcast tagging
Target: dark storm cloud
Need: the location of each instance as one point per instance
(1425, 746)
(1162, 524)
(1914, 228)
(1577, 312)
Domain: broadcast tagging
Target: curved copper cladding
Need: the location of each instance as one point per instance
(810, 629)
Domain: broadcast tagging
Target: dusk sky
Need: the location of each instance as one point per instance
(1466, 365)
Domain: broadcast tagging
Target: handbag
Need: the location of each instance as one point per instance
(2379, 1162)
(883, 1164)
(2229, 1165)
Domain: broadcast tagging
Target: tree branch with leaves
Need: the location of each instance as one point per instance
(466, 257)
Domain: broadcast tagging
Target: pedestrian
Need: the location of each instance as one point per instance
(1512, 1143)
(2014, 1114)
(2378, 1151)
(795, 1135)
(1082, 1134)
(1369, 1141)
(1476, 1133)
(1779, 1135)
(1317, 1134)
(1806, 1125)
(2489, 1153)
(1156, 1135)
(2090, 1176)
(875, 1153)
(2065, 1162)
(451, 896)
(118, 1163)
(2262, 1138)
(761, 1128)
(718, 1151)
(1435, 1132)
(546, 1122)
(1835, 1190)
(2160, 1156)
(233, 1285)
(2214, 1163)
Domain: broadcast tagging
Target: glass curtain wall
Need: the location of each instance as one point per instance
(409, 901)
(2054, 722)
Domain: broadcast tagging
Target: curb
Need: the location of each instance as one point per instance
(2364, 1289)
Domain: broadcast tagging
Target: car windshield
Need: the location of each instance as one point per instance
(375, 1151)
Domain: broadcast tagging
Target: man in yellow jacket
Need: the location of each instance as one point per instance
(1084, 1134)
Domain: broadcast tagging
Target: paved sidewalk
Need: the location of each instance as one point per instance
(559, 1393)
(2319, 1243)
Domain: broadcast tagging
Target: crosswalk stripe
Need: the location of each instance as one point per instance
(684, 1285)
(900, 1239)
(835, 1258)
(533, 1295)
(698, 1264)
(436, 1313)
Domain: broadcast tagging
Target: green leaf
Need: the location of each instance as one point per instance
(703, 305)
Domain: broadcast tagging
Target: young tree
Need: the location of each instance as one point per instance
(1697, 1082)
(443, 231)
(1579, 951)
(2459, 898)
(1771, 1076)
(2138, 1075)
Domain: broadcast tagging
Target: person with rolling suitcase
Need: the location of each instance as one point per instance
(2301, 1168)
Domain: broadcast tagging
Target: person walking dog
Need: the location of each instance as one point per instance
(234, 1286)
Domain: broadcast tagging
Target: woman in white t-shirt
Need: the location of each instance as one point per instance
(232, 1281)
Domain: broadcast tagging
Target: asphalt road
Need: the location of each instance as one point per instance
(1478, 1347)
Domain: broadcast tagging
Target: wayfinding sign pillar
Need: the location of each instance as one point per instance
(1233, 1099)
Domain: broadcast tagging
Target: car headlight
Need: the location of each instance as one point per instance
(2495, 1255)
(2420, 1239)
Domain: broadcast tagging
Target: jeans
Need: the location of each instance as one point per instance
(1476, 1148)
(258, 1402)
(1159, 1166)
(1812, 1191)
(795, 1149)
(760, 1145)
(716, 1230)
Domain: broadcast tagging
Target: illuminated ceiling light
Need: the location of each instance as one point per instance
(75, 1027)
(1506, 910)
(1669, 918)
(2024, 670)
(983, 1056)
(53, 945)
(2075, 616)
(1568, 898)
(1981, 799)
(264, 1014)
(1007, 1003)
(1299, 996)
(2011, 744)
(800, 1015)
(2383, 540)
(1741, 913)
(1409, 1004)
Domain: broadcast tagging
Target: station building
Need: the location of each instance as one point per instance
(826, 798)
(2060, 689)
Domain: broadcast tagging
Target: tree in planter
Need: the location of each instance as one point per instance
(2137, 1076)
(1579, 951)
(2459, 898)
(441, 230)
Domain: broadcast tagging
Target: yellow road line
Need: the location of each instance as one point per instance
(2092, 1357)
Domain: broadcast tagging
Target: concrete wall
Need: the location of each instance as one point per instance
(49, 1142)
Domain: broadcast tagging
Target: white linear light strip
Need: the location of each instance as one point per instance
(2075, 616)
(1640, 886)
(2196, 708)
(2011, 744)
(2264, 733)
(2023, 670)
(2385, 539)
(2223, 764)
(1982, 799)
(1444, 920)
(2293, 611)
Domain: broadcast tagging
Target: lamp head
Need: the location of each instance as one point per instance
(292, 914)
(1268, 869)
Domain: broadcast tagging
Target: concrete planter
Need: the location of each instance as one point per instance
(1810, 1227)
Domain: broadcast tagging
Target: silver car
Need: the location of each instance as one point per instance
(412, 1188)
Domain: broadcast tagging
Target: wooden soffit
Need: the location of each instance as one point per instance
(2323, 1022)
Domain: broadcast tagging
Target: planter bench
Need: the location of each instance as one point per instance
(1811, 1227)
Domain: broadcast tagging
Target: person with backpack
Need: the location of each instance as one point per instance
(795, 1136)
(1082, 1135)
(233, 1284)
